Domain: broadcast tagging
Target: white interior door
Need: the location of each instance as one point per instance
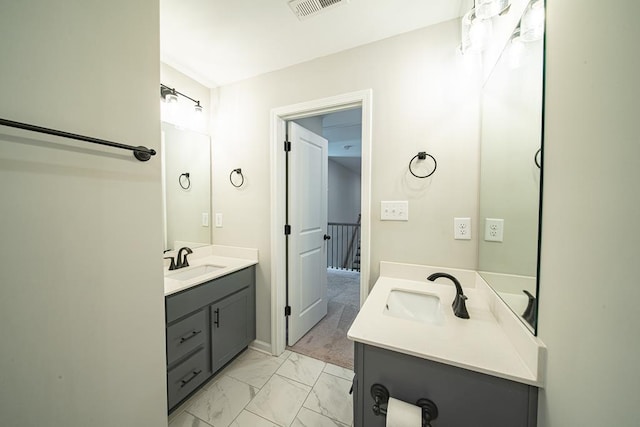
(307, 249)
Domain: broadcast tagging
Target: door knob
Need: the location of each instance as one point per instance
(327, 237)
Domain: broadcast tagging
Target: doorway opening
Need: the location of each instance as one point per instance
(325, 338)
(361, 100)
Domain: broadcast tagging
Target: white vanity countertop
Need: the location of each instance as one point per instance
(230, 258)
(479, 344)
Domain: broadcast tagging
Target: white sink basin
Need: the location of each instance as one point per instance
(421, 307)
(193, 272)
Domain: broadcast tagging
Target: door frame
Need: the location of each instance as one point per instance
(278, 119)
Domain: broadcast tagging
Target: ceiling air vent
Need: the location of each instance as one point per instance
(307, 8)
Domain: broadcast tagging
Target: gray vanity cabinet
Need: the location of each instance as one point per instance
(207, 326)
(463, 397)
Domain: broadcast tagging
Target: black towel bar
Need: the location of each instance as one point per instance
(141, 153)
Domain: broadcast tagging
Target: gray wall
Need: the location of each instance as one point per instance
(81, 296)
(423, 99)
(344, 193)
(314, 124)
(589, 291)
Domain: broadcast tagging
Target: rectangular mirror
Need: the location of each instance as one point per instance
(187, 198)
(510, 177)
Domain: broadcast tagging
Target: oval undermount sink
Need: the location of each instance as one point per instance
(422, 307)
(193, 272)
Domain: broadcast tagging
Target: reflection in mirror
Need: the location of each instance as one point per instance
(510, 175)
(186, 159)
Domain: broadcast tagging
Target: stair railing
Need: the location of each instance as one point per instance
(349, 254)
(345, 240)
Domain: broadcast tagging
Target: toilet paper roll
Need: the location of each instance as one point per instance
(403, 414)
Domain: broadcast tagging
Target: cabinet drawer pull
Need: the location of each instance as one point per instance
(188, 380)
(217, 319)
(189, 336)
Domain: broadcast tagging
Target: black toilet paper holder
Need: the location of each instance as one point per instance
(380, 396)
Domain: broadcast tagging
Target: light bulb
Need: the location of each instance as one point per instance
(171, 98)
(532, 23)
(516, 52)
(480, 32)
(198, 107)
(475, 32)
(489, 8)
(168, 95)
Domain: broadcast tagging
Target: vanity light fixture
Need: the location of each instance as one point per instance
(476, 32)
(532, 22)
(486, 9)
(170, 95)
(529, 29)
(477, 24)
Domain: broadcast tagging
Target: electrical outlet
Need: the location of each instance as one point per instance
(394, 211)
(462, 228)
(493, 229)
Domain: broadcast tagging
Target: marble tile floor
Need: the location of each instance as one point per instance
(259, 390)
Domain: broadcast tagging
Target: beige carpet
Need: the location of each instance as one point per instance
(328, 340)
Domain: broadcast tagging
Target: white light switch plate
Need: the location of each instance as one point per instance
(462, 228)
(493, 229)
(205, 219)
(394, 211)
(219, 220)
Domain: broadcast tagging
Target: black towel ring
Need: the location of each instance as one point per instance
(536, 156)
(239, 172)
(421, 156)
(188, 185)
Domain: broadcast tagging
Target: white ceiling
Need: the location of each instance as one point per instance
(217, 42)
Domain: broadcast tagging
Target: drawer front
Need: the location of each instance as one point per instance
(186, 335)
(186, 377)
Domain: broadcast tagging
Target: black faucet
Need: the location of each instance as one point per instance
(530, 312)
(181, 261)
(173, 264)
(459, 306)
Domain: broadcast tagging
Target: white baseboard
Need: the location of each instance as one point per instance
(261, 346)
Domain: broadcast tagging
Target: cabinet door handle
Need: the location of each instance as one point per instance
(188, 380)
(216, 321)
(189, 336)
